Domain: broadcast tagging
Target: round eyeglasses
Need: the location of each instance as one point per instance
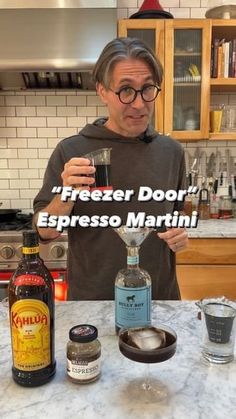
(128, 94)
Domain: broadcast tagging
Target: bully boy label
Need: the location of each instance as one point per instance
(30, 328)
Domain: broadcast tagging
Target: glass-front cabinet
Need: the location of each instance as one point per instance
(223, 77)
(183, 47)
(187, 70)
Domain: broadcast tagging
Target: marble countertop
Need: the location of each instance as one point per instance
(214, 229)
(197, 389)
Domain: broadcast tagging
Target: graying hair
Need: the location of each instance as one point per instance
(121, 49)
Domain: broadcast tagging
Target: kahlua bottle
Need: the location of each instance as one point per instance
(31, 312)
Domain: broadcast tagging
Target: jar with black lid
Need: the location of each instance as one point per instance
(83, 354)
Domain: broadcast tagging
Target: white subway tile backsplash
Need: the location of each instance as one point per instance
(17, 143)
(15, 122)
(25, 93)
(94, 101)
(18, 163)
(76, 121)
(125, 3)
(67, 132)
(19, 183)
(7, 132)
(77, 100)
(181, 13)
(102, 111)
(38, 121)
(26, 132)
(132, 10)
(47, 132)
(41, 173)
(46, 111)
(9, 174)
(5, 203)
(9, 153)
(37, 143)
(28, 174)
(45, 153)
(10, 194)
(52, 142)
(122, 14)
(20, 203)
(37, 163)
(28, 193)
(189, 3)
(232, 100)
(36, 100)
(7, 110)
(15, 100)
(55, 100)
(86, 111)
(197, 13)
(213, 143)
(87, 93)
(45, 92)
(66, 111)
(25, 111)
(3, 143)
(35, 184)
(6, 93)
(29, 153)
(170, 3)
(66, 92)
(4, 184)
(2, 121)
(3, 164)
(56, 122)
(90, 119)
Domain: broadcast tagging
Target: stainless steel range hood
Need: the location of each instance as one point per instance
(48, 37)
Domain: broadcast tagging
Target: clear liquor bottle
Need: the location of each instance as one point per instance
(132, 293)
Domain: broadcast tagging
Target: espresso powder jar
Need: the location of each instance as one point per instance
(83, 354)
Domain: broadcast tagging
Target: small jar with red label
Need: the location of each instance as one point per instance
(83, 354)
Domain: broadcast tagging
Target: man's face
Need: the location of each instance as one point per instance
(129, 120)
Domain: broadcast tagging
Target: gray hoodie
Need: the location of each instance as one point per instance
(96, 254)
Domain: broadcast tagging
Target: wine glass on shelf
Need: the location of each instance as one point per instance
(148, 345)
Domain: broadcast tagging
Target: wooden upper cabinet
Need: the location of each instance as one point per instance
(223, 31)
(187, 76)
(184, 49)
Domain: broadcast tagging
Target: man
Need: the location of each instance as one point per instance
(128, 78)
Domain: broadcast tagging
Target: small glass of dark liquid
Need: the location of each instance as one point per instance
(148, 345)
(225, 209)
(101, 160)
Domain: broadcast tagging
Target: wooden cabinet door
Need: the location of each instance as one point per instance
(207, 267)
(151, 31)
(187, 78)
(201, 281)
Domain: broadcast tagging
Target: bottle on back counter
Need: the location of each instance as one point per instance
(204, 204)
(31, 312)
